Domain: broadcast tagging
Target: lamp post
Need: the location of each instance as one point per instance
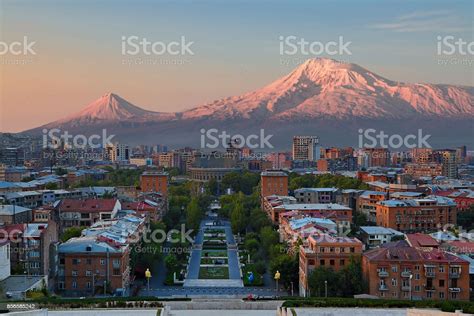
(326, 288)
(409, 284)
(277, 277)
(148, 276)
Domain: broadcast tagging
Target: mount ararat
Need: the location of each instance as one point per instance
(322, 97)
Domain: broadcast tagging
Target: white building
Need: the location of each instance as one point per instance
(4, 260)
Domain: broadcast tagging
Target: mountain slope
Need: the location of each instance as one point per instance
(110, 108)
(328, 88)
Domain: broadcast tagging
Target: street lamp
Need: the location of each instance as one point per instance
(409, 284)
(277, 277)
(148, 276)
(326, 288)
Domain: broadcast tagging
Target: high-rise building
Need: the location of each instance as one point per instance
(461, 154)
(118, 152)
(306, 148)
(447, 158)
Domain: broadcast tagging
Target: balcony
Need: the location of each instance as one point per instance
(406, 274)
(406, 288)
(429, 288)
(454, 275)
(455, 289)
(383, 287)
(383, 274)
(430, 274)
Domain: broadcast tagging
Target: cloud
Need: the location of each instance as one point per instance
(424, 21)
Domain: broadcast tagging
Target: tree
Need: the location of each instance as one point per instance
(171, 262)
(287, 265)
(268, 238)
(193, 214)
(317, 282)
(237, 219)
(71, 232)
(51, 186)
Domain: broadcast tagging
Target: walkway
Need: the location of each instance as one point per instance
(192, 279)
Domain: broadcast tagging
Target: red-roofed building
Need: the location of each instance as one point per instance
(464, 199)
(86, 212)
(419, 240)
(402, 272)
(460, 247)
(147, 208)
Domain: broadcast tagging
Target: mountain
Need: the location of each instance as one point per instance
(327, 88)
(109, 108)
(321, 97)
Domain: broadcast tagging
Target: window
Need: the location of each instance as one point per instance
(441, 283)
(89, 285)
(116, 262)
(116, 272)
(74, 272)
(331, 262)
(417, 288)
(454, 295)
(74, 284)
(394, 268)
(441, 294)
(417, 268)
(76, 261)
(342, 262)
(429, 294)
(394, 282)
(61, 285)
(88, 272)
(352, 249)
(102, 262)
(321, 262)
(88, 261)
(417, 276)
(441, 269)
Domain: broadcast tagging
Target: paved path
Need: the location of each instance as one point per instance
(192, 279)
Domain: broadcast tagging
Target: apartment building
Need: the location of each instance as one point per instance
(366, 203)
(154, 181)
(306, 148)
(85, 212)
(398, 271)
(88, 266)
(326, 251)
(275, 206)
(317, 195)
(416, 215)
(374, 236)
(273, 183)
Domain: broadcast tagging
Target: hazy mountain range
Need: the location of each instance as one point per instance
(322, 97)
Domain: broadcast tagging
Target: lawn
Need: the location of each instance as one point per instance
(214, 273)
(214, 253)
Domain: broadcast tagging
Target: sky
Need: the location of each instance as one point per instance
(77, 55)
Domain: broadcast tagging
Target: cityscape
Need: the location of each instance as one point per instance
(332, 172)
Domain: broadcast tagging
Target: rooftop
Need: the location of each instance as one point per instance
(314, 206)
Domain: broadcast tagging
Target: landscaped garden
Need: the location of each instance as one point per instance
(214, 273)
(214, 260)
